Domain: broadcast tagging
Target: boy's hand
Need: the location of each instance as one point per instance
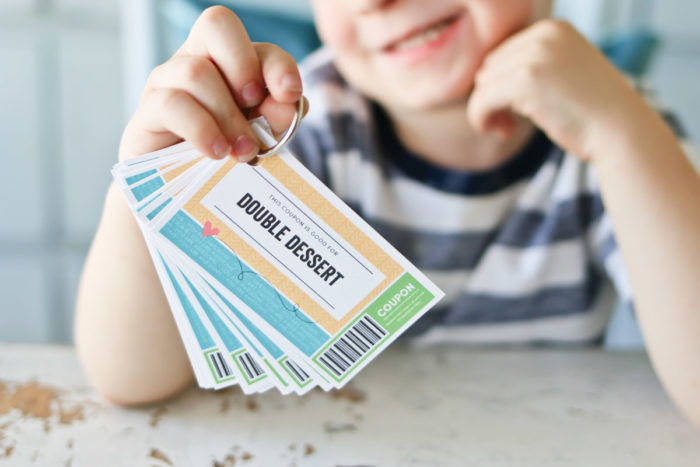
(550, 74)
(207, 91)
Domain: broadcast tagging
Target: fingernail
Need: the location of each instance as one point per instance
(245, 148)
(291, 83)
(252, 94)
(221, 147)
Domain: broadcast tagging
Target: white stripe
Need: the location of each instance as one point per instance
(452, 283)
(397, 200)
(554, 184)
(327, 99)
(407, 203)
(598, 233)
(617, 271)
(514, 272)
(575, 328)
(316, 59)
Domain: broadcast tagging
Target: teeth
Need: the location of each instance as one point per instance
(422, 37)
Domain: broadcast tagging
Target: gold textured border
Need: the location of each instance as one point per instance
(172, 174)
(323, 208)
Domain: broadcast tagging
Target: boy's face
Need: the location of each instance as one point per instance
(417, 54)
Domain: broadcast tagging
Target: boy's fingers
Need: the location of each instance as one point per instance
(278, 114)
(218, 34)
(201, 79)
(283, 81)
(488, 104)
(537, 35)
(173, 111)
(280, 73)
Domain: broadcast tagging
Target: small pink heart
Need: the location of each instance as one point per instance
(208, 231)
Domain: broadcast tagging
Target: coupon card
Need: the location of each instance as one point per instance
(271, 259)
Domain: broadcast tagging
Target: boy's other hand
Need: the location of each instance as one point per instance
(550, 74)
(208, 90)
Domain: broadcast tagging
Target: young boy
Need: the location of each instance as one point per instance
(505, 131)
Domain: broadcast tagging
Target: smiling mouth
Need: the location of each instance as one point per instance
(424, 36)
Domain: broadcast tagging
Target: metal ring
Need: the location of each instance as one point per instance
(287, 134)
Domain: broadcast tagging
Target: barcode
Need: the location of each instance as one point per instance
(250, 366)
(220, 366)
(359, 339)
(297, 371)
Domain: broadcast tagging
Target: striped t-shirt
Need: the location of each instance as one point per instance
(524, 252)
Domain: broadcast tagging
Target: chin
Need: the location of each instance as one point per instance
(427, 89)
(429, 98)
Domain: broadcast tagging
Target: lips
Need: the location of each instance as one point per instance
(422, 35)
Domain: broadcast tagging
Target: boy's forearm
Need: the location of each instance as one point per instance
(652, 194)
(125, 334)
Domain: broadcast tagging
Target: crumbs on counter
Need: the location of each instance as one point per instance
(251, 404)
(348, 393)
(308, 449)
(68, 416)
(158, 454)
(31, 399)
(157, 415)
(6, 452)
(229, 461)
(225, 406)
(330, 427)
(38, 401)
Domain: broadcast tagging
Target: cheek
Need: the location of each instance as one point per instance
(334, 30)
(495, 20)
(338, 32)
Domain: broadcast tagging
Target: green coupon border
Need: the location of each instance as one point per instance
(274, 372)
(392, 322)
(211, 367)
(291, 375)
(234, 355)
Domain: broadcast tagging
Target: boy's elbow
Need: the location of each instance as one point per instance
(695, 420)
(126, 390)
(685, 394)
(125, 380)
(139, 394)
(691, 410)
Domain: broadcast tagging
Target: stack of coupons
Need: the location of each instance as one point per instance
(272, 280)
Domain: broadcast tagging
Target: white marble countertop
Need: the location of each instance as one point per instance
(436, 407)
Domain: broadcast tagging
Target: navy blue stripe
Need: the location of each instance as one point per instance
(475, 309)
(306, 146)
(518, 167)
(443, 252)
(569, 219)
(675, 124)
